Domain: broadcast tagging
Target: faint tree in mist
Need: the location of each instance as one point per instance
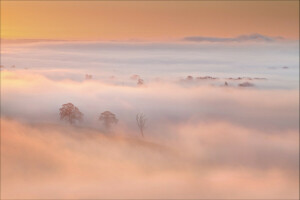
(88, 77)
(140, 82)
(246, 84)
(141, 122)
(70, 113)
(189, 78)
(108, 118)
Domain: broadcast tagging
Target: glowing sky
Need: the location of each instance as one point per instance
(104, 20)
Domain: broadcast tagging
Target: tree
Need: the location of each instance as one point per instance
(70, 113)
(141, 122)
(88, 77)
(140, 82)
(246, 84)
(108, 118)
(189, 78)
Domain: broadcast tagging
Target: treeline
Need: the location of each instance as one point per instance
(70, 113)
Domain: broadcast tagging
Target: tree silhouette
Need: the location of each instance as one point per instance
(70, 113)
(140, 82)
(108, 118)
(141, 122)
(189, 78)
(88, 77)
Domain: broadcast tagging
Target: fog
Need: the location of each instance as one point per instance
(203, 138)
(34, 97)
(208, 160)
(159, 60)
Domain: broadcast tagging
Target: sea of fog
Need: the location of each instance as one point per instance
(222, 120)
(278, 62)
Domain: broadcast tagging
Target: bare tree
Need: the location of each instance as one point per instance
(108, 118)
(70, 113)
(141, 122)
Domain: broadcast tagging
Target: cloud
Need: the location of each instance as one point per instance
(168, 61)
(242, 38)
(27, 41)
(260, 109)
(201, 140)
(204, 160)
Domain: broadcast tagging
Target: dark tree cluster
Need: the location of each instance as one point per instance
(108, 119)
(71, 114)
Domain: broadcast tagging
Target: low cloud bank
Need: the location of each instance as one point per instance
(201, 141)
(71, 59)
(242, 38)
(207, 160)
(33, 97)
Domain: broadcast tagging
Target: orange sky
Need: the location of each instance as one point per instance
(104, 20)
